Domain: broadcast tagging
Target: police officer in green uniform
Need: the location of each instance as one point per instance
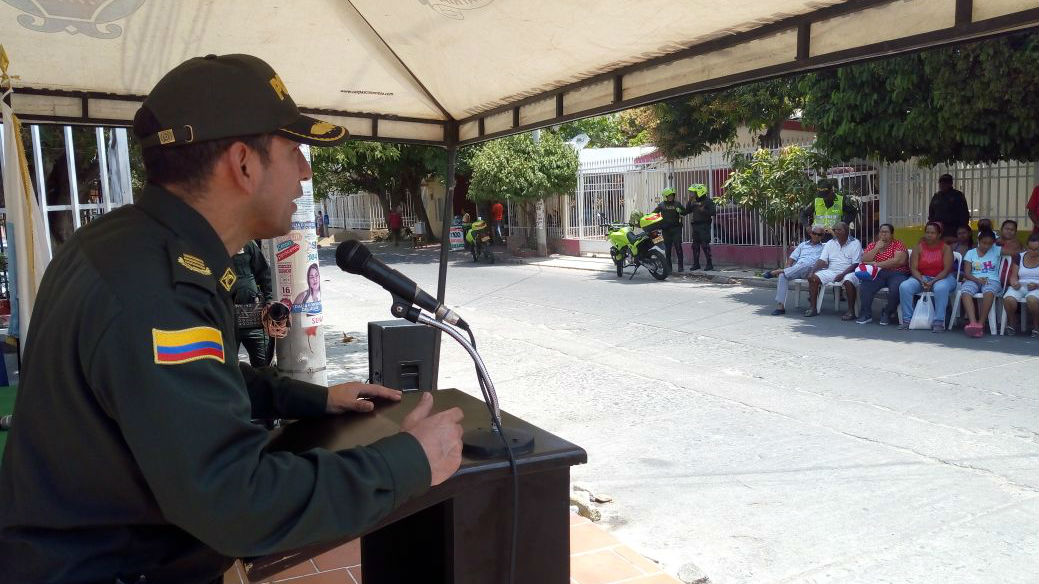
(671, 226)
(702, 209)
(252, 288)
(828, 208)
(134, 458)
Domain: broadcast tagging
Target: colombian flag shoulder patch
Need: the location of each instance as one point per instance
(187, 345)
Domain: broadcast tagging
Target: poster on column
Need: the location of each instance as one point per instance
(299, 277)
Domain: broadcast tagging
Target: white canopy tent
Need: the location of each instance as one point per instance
(457, 72)
(461, 71)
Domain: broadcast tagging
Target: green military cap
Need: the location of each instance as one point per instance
(213, 97)
(826, 184)
(667, 192)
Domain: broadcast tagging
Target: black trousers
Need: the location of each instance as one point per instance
(701, 240)
(257, 345)
(673, 238)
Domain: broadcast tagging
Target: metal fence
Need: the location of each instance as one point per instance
(898, 193)
(362, 211)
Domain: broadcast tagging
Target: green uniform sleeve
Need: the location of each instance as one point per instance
(277, 396)
(188, 427)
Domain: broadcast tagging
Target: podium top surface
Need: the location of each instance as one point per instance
(354, 429)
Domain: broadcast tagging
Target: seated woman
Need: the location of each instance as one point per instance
(892, 257)
(964, 240)
(930, 266)
(980, 275)
(1024, 286)
(1007, 240)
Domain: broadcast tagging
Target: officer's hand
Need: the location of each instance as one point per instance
(439, 434)
(345, 397)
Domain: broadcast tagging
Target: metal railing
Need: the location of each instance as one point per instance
(897, 193)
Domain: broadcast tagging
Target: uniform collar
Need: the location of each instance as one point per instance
(196, 235)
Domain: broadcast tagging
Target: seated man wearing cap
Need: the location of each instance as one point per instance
(134, 458)
(800, 264)
(837, 262)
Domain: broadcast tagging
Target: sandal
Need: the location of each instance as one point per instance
(847, 316)
(811, 312)
(1010, 331)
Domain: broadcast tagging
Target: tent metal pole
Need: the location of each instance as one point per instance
(451, 135)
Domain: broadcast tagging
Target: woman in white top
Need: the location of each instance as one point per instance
(1024, 286)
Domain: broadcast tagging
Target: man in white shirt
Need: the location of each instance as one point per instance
(839, 258)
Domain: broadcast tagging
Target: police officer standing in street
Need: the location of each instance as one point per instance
(134, 458)
(702, 209)
(671, 226)
(828, 208)
(251, 292)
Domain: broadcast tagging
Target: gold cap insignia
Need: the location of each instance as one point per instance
(279, 87)
(228, 279)
(166, 136)
(195, 264)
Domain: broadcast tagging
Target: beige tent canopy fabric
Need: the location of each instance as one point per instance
(422, 70)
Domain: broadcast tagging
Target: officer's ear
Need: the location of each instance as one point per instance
(243, 165)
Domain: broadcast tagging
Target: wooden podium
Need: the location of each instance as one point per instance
(459, 531)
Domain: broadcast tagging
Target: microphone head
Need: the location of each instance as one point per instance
(351, 256)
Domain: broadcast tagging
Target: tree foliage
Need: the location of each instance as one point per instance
(393, 172)
(518, 168)
(777, 185)
(690, 125)
(628, 128)
(970, 103)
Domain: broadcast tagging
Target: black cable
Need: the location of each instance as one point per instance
(484, 387)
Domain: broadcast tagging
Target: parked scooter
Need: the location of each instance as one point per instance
(631, 246)
(479, 240)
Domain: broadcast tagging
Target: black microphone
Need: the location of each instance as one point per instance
(354, 257)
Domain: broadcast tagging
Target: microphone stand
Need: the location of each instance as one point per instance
(480, 442)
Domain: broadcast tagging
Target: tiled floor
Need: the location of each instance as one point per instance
(596, 557)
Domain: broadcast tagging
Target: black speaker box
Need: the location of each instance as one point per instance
(400, 354)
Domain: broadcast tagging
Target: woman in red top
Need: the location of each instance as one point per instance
(394, 221)
(930, 266)
(891, 256)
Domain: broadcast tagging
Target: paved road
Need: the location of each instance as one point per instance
(759, 448)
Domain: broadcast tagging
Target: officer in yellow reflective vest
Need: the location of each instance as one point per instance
(828, 208)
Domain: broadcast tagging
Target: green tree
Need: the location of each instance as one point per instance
(525, 171)
(603, 131)
(969, 103)
(777, 186)
(690, 125)
(393, 172)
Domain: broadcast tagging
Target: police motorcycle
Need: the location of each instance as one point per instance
(478, 239)
(638, 246)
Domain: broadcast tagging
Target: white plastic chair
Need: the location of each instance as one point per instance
(797, 283)
(1004, 264)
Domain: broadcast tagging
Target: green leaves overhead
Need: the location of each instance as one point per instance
(690, 125)
(969, 103)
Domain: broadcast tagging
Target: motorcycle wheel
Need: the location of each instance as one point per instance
(617, 262)
(656, 264)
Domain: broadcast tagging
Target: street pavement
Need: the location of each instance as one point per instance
(757, 448)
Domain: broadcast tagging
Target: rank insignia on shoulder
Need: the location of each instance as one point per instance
(228, 279)
(187, 345)
(195, 264)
